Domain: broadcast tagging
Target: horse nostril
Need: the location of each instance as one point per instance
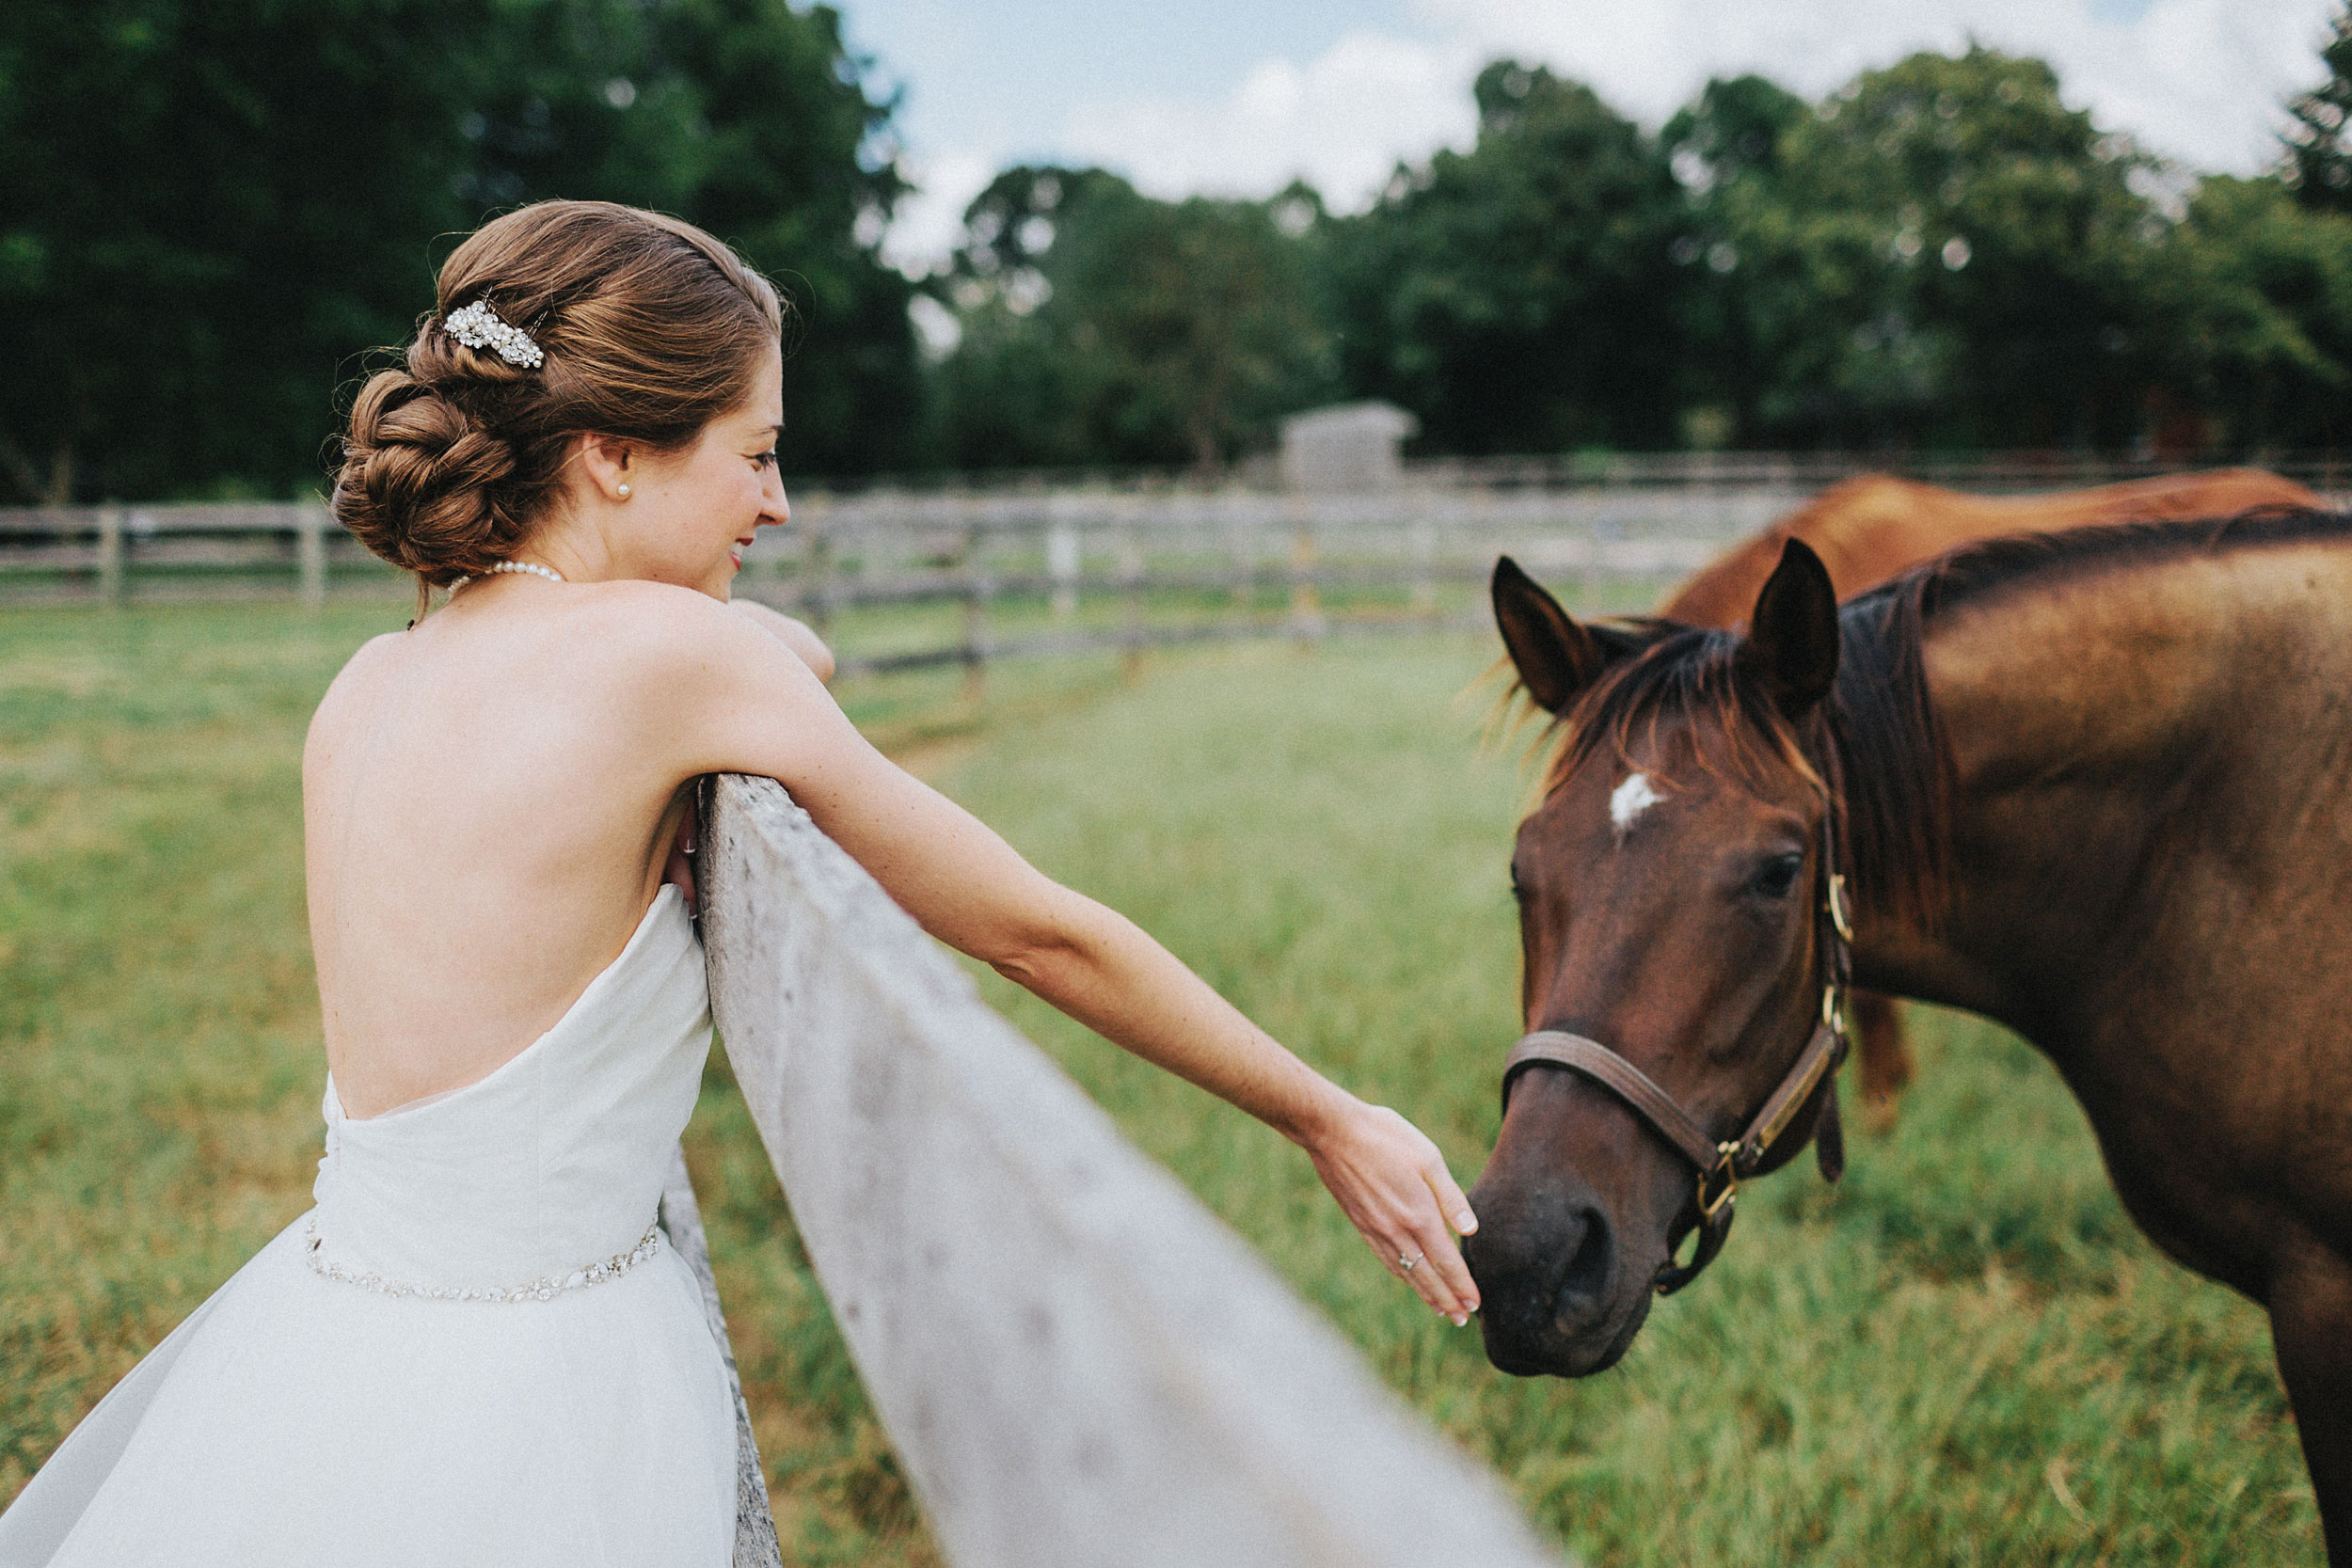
(1585, 1280)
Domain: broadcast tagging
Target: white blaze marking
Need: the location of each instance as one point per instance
(1629, 800)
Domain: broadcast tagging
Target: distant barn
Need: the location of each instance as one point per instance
(1349, 446)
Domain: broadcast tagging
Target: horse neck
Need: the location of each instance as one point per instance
(2111, 732)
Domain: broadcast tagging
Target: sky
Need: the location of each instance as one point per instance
(1239, 97)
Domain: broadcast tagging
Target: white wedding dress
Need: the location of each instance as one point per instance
(477, 1348)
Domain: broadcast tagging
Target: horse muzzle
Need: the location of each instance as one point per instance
(1560, 1293)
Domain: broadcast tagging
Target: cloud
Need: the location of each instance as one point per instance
(928, 224)
(1341, 122)
(2200, 81)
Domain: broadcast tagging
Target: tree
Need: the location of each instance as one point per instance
(1517, 297)
(1729, 139)
(2256, 296)
(1103, 326)
(790, 161)
(1942, 252)
(2319, 146)
(207, 211)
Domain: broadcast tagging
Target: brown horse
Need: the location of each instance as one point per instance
(2095, 786)
(1867, 529)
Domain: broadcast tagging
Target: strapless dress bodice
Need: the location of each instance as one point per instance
(547, 1173)
(475, 1349)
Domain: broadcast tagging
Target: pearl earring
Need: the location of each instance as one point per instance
(624, 492)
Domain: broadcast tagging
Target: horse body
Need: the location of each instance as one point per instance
(2151, 850)
(2098, 788)
(1870, 528)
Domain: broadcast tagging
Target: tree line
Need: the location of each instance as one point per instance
(205, 211)
(1940, 254)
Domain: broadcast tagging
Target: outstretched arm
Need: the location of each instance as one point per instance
(755, 709)
(793, 634)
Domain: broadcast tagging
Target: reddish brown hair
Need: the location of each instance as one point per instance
(650, 328)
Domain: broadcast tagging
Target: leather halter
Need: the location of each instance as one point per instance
(1722, 1165)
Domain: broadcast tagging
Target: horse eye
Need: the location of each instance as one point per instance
(1779, 876)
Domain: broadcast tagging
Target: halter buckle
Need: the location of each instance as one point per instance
(1726, 1170)
(1837, 907)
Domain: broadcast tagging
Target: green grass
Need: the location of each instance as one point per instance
(1963, 1354)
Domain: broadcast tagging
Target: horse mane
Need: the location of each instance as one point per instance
(1660, 670)
(1889, 752)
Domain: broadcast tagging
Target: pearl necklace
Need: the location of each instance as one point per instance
(532, 567)
(501, 568)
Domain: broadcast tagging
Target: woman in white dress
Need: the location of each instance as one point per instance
(476, 1347)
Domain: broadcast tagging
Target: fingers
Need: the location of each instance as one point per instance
(1429, 1262)
(679, 866)
(1456, 1217)
(1451, 1201)
(680, 870)
(1449, 1287)
(1393, 1184)
(1419, 1249)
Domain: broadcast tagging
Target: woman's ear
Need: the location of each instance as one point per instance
(607, 464)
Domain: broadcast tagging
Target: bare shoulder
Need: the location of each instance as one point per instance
(695, 683)
(360, 671)
(654, 627)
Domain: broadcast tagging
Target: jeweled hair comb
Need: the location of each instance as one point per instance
(477, 325)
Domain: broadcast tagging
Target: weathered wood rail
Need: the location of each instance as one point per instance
(183, 550)
(1077, 1364)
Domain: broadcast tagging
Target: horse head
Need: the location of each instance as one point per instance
(1671, 885)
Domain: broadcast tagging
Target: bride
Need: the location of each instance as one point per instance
(476, 1346)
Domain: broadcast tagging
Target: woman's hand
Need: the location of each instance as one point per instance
(1393, 1182)
(679, 866)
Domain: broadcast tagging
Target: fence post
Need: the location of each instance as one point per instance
(1062, 555)
(976, 588)
(110, 554)
(1131, 589)
(1243, 597)
(311, 555)
(1306, 604)
(815, 597)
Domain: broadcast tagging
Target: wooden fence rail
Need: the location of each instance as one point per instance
(1077, 1363)
(903, 578)
(1021, 576)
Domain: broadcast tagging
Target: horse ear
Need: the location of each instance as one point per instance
(1792, 644)
(1556, 658)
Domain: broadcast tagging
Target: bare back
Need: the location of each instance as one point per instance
(483, 831)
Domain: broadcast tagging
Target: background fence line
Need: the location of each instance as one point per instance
(900, 577)
(1077, 1363)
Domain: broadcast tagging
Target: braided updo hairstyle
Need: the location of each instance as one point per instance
(650, 328)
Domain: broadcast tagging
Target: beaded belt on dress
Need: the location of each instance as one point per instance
(538, 1290)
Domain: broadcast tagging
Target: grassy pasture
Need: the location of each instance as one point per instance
(1964, 1354)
